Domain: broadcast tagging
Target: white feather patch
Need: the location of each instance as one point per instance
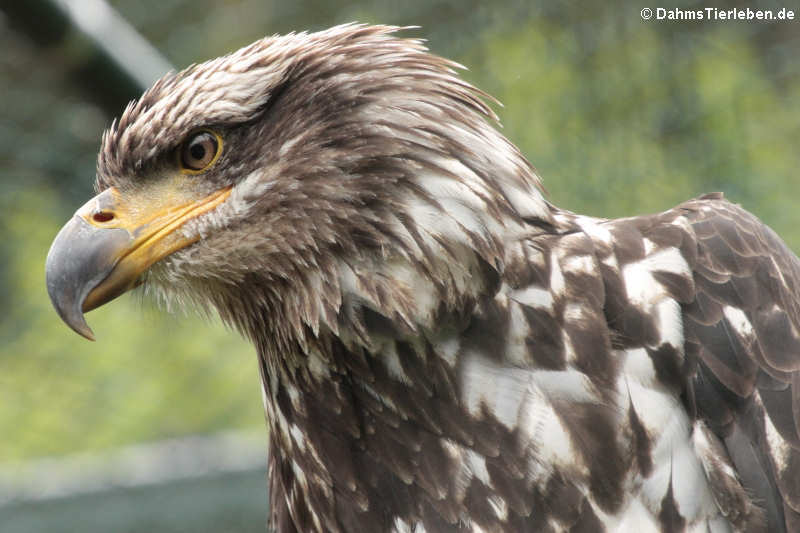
(579, 264)
(638, 366)
(557, 284)
(393, 364)
(641, 286)
(738, 320)
(501, 390)
(534, 296)
(669, 323)
(595, 229)
(543, 428)
(476, 465)
(779, 448)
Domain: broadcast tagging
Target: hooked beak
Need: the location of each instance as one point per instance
(106, 246)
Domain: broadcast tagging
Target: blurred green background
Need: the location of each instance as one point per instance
(621, 116)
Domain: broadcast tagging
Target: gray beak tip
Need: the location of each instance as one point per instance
(74, 266)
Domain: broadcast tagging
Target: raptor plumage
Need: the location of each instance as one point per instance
(441, 348)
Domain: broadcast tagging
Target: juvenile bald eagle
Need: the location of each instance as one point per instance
(442, 349)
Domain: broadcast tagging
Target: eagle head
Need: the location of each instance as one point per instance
(293, 182)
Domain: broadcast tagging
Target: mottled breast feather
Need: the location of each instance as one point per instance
(622, 375)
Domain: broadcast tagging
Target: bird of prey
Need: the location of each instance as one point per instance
(441, 348)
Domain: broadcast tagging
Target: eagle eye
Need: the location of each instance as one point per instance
(200, 150)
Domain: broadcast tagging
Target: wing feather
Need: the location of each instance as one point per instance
(743, 327)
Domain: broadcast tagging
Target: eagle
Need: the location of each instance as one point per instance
(441, 348)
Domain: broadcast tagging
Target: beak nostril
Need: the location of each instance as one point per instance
(103, 216)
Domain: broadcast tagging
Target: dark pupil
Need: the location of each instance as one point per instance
(197, 150)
